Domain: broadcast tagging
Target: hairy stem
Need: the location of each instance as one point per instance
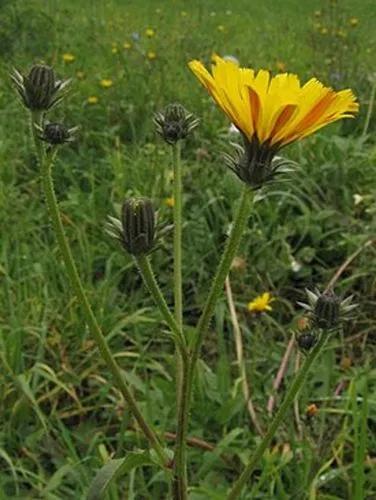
(53, 209)
(182, 367)
(292, 392)
(221, 273)
(147, 274)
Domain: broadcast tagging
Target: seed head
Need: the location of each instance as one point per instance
(39, 90)
(174, 123)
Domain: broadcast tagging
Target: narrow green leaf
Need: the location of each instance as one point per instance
(113, 469)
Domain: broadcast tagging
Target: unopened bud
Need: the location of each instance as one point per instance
(56, 133)
(174, 123)
(306, 340)
(327, 310)
(138, 226)
(39, 89)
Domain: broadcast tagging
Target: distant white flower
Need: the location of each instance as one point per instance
(358, 198)
(295, 265)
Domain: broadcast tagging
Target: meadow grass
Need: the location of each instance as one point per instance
(62, 417)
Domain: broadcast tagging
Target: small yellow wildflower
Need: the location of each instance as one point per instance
(169, 202)
(317, 13)
(221, 28)
(80, 75)
(68, 58)
(149, 32)
(127, 45)
(93, 99)
(281, 66)
(353, 21)
(106, 83)
(114, 50)
(151, 55)
(324, 31)
(183, 13)
(261, 303)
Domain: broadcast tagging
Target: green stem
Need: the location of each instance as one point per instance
(52, 204)
(147, 274)
(177, 236)
(221, 274)
(295, 387)
(182, 367)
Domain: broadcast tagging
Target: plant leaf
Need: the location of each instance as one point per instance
(113, 469)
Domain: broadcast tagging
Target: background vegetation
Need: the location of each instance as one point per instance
(61, 416)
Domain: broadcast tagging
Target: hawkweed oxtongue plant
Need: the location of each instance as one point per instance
(40, 91)
(270, 112)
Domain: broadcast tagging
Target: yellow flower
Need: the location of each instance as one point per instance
(169, 202)
(324, 31)
(149, 32)
(80, 75)
(353, 21)
(281, 66)
(183, 13)
(221, 28)
(261, 303)
(93, 99)
(114, 50)
(151, 55)
(68, 58)
(127, 45)
(317, 13)
(106, 83)
(273, 112)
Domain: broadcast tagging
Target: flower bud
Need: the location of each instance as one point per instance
(306, 340)
(327, 310)
(56, 133)
(39, 90)
(138, 226)
(174, 123)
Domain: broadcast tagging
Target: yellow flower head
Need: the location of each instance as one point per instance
(169, 202)
(324, 31)
(220, 27)
(114, 50)
(93, 99)
(151, 55)
(261, 303)
(274, 110)
(353, 21)
(106, 83)
(68, 58)
(149, 32)
(80, 75)
(127, 45)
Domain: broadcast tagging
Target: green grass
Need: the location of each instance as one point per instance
(61, 415)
